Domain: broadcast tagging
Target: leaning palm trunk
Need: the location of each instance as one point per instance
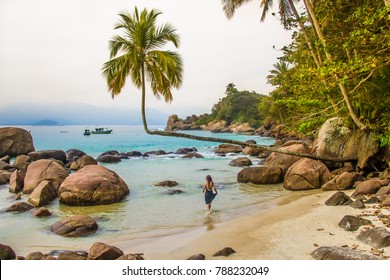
(235, 142)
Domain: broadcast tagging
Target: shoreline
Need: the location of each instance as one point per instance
(291, 230)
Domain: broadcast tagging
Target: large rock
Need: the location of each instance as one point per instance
(193, 155)
(43, 194)
(48, 154)
(108, 159)
(6, 252)
(167, 183)
(285, 161)
(5, 177)
(15, 141)
(378, 237)
(340, 253)
(43, 170)
(83, 161)
(339, 183)
(337, 140)
(73, 154)
(92, 185)
(306, 174)
(75, 226)
(101, 251)
(260, 175)
(19, 207)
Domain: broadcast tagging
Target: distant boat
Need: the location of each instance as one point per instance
(101, 130)
(87, 132)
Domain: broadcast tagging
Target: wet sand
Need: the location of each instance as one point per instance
(289, 231)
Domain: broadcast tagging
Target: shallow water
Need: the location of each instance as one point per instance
(148, 208)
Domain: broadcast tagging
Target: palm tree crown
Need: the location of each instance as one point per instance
(137, 54)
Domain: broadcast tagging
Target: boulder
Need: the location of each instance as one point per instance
(43, 170)
(338, 198)
(16, 182)
(184, 151)
(19, 207)
(43, 194)
(174, 191)
(134, 154)
(6, 166)
(241, 161)
(110, 153)
(15, 141)
(92, 185)
(73, 155)
(6, 159)
(285, 161)
(228, 148)
(386, 201)
(6, 252)
(352, 223)
(370, 186)
(260, 175)
(156, 153)
(227, 251)
(167, 183)
(306, 174)
(358, 204)
(48, 154)
(383, 191)
(22, 162)
(193, 155)
(101, 251)
(377, 237)
(41, 212)
(340, 253)
(75, 226)
(69, 255)
(108, 159)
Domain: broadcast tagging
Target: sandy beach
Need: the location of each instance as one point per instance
(291, 230)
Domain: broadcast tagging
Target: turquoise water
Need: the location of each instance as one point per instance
(147, 208)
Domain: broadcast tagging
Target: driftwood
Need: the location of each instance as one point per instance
(235, 142)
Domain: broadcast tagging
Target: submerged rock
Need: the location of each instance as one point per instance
(75, 226)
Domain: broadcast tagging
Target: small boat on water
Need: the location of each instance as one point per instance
(101, 130)
(98, 130)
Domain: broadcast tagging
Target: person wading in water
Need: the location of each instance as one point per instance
(209, 192)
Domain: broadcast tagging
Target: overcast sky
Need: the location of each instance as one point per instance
(53, 50)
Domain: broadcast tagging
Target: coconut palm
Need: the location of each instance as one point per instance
(137, 55)
(280, 68)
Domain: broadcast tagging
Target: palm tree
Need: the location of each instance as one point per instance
(138, 55)
(280, 68)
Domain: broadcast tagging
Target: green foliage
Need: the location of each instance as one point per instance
(236, 107)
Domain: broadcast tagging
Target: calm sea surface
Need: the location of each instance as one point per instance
(147, 208)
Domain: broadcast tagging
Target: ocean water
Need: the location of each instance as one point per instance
(148, 208)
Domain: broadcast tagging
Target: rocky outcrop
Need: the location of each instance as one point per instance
(101, 251)
(75, 226)
(43, 170)
(15, 141)
(48, 154)
(92, 185)
(335, 139)
(260, 175)
(306, 174)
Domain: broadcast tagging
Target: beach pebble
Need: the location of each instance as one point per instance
(227, 251)
(197, 257)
